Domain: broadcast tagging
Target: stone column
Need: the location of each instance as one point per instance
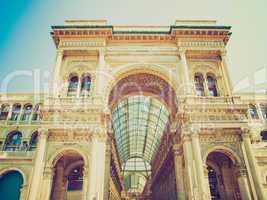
(253, 165)
(85, 182)
(55, 84)
(188, 89)
(47, 184)
(102, 76)
(225, 73)
(243, 184)
(97, 168)
(179, 175)
(188, 158)
(199, 166)
(39, 163)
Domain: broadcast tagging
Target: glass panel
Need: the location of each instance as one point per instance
(139, 122)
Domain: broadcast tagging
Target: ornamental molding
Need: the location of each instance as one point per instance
(218, 45)
(87, 43)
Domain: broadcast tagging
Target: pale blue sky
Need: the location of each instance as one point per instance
(25, 42)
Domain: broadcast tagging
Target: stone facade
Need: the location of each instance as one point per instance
(214, 145)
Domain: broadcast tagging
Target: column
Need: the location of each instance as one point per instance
(187, 84)
(188, 158)
(55, 84)
(47, 184)
(259, 111)
(243, 184)
(102, 76)
(179, 175)
(253, 165)
(199, 165)
(38, 165)
(85, 182)
(225, 72)
(206, 176)
(97, 168)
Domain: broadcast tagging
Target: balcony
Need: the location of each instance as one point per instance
(17, 152)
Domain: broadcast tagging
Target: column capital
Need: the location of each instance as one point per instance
(43, 132)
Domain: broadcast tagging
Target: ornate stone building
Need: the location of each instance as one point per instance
(135, 112)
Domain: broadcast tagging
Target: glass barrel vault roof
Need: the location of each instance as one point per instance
(139, 122)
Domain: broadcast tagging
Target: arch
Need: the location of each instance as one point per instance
(27, 111)
(59, 153)
(73, 82)
(150, 68)
(4, 111)
(225, 150)
(68, 174)
(13, 141)
(11, 183)
(36, 115)
(86, 81)
(15, 112)
(33, 141)
(199, 84)
(212, 84)
(21, 171)
(143, 84)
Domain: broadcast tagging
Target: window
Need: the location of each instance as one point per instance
(253, 111)
(199, 85)
(27, 111)
(15, 112)
(36, 116)
(264, 111)
(13, 141)
(73, 85)
(86, 84)
(212, 86)
(4, 111)
(264, 135)
(75, 179)
(33, 141)
(213, 183)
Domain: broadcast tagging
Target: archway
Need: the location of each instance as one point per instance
(222, 177)
(68, 177)
(142, 106)
(11, 183)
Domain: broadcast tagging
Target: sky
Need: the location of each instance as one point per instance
(27, 52)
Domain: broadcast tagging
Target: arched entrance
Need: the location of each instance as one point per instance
(11, 183)
(222, 177)
(68, 177)
(142, 106)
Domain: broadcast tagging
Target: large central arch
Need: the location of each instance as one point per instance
(142, 105)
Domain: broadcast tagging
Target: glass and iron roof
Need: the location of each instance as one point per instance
(139, 122)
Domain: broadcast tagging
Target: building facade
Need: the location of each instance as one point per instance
(135, 112)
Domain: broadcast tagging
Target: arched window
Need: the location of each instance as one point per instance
(27, 111)
(15, 112)
(199, 85)
(73, 85)
(11, 184)
(253, 111)
(264, 135)
(36, 116)
(13, 141)
(86, 84)
(212, 86)
(33, 141)
(264, 111)
(4, 111)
